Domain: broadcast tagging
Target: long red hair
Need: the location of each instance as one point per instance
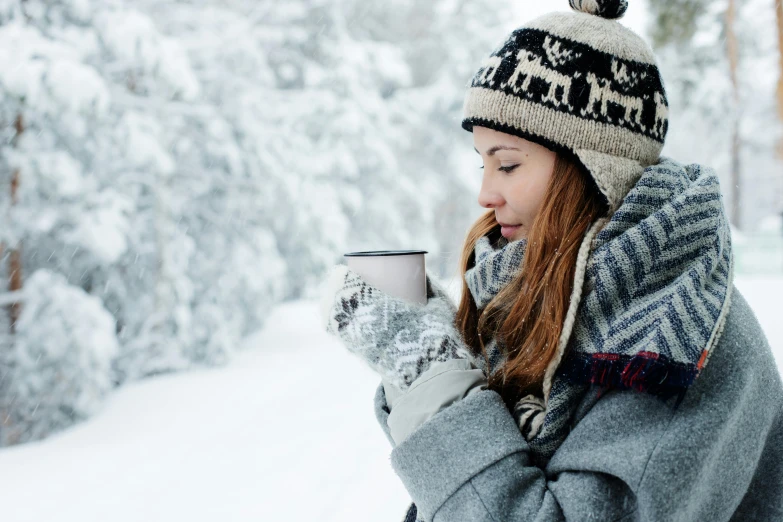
(528, 313)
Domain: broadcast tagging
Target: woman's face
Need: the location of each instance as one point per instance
(516, 176)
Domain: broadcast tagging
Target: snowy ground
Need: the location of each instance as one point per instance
(286, 432)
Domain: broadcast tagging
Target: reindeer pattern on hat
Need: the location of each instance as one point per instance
(574, 78)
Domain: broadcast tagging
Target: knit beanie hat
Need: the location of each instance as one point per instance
(579, 83)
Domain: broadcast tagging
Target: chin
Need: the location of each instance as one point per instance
(519, 234)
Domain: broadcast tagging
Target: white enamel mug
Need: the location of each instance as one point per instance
(400, 273)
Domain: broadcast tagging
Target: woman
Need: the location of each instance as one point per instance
(572, 383)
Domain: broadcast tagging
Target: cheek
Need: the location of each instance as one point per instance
(539, 190)
(522, 197)
(528, 195)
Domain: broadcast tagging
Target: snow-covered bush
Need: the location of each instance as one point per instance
(57, 367)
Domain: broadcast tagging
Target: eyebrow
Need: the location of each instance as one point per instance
(496, 148)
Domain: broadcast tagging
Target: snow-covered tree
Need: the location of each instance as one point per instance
(689, 37)
(186, 166)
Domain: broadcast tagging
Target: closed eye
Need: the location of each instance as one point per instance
(510, 168)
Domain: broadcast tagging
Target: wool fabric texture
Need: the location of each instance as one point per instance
(399, 340)
(580, 83)
(494, 267)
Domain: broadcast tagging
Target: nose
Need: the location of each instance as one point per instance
(488, 196)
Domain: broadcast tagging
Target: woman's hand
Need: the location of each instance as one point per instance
(398, 339)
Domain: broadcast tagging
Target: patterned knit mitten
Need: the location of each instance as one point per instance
(398, 339)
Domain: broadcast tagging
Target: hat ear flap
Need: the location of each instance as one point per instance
(614, 175)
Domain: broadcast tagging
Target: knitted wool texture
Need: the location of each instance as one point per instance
(493, 268)
(398, 339)
(579, 83)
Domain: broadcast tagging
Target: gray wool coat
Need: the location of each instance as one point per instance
(628, 456)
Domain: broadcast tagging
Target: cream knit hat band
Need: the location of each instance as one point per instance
(579, 83)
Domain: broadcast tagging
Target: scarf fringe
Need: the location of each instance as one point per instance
(644, 371)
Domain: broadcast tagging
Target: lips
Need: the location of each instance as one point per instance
(508, 231)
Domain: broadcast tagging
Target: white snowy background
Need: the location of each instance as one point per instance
(188, 172)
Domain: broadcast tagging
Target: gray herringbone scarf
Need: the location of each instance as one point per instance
(656, 291)
(495, 266)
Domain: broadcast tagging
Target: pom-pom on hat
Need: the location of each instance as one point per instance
(605, 9)
(577, 82)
